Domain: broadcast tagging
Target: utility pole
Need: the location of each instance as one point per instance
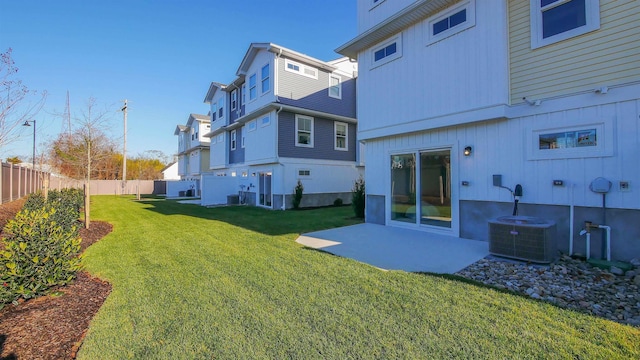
(124, 151)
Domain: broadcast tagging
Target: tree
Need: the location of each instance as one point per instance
(14, 160)
(84, 152)
(16, 103)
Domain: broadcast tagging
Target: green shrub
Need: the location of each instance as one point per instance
(337, 202)
(358, 198)
(297, 195)
(67, 202)
(39, 253)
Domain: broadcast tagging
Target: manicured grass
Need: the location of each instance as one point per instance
(231, 283)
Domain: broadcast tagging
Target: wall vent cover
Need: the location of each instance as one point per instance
(523, 238)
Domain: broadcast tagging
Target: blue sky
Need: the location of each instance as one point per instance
(161, 55)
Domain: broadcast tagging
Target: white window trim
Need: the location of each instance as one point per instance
(375, 3)
(298, 171)
(469, 5)
(243, 95)
(242, 138)
(262, 123)
(335, 136)
(604, 147)
(301, 68)
(398, 54)
(339, 86)
(233, 139)
(592, 9)
(254, 87)
(252, 125)
(234, 99)
(263, 79)
(310, 144)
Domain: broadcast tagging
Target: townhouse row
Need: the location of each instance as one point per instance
(286, 117)
(458, 102)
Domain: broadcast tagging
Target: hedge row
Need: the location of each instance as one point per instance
(41, 246)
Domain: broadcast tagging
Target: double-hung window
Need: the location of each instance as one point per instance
(233, 139)
(214, 111)
(221, 107)
(252, 87)
(304, 131)
(335, 86)
(234, 99)
(244, 94)
(341, 135)
(265, 78)
(557, 20)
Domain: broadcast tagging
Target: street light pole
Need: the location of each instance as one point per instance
(33, 159)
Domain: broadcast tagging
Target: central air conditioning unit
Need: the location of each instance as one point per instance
(523, 238)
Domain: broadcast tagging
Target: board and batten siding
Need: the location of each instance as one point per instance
(465, 71)
(500, 147)
(605, 57)
(309, 93)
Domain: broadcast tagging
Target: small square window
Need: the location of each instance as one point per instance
(304, 172)
(251, 125)
(265, 121)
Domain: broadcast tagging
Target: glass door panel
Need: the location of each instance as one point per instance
(403, 188)
(435, 188)
(264, 189)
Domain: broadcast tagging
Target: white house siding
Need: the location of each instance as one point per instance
(260, 144)
(215, 189)
(502, 147)
(217, 152)
(607, 57)
(262, 58)
(370, 13)
(454, 75)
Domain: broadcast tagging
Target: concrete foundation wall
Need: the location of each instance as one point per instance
(312, 200)
(374, 211)
(625, 232)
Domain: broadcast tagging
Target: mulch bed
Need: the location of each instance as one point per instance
(52, 327)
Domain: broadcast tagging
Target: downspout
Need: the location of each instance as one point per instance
(275, 75)
(277, 124)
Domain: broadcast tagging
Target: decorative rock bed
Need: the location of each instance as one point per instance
(568, 283)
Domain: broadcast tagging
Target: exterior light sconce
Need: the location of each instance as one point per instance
(601, 90)
(532, 102)
(467, 151)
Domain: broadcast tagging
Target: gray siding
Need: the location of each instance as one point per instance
(323, 141)
(309, 93)
(236, 156)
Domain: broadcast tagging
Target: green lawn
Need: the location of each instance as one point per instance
(231, 283)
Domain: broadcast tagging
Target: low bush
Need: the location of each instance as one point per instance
(297, 195)
(39, 253)
(337, 202)
(358, 198)
(67, 202)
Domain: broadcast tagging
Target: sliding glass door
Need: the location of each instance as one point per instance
(421, 188)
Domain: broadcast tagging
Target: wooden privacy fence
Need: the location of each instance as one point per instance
(17, 182)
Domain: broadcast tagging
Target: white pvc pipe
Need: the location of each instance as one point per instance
(608, 229)
(571, 220)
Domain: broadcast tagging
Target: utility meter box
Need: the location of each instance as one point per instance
(600, 185)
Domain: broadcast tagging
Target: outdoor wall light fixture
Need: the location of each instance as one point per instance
(467, 151)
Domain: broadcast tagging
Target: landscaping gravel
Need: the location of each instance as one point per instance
(568, 283)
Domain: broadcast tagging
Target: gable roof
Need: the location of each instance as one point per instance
(406, 17)
(179, 129)
(212, 90)
(254, 48)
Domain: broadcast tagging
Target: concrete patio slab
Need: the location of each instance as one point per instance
(393, 248)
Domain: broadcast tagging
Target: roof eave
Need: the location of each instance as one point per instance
(406, 17)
